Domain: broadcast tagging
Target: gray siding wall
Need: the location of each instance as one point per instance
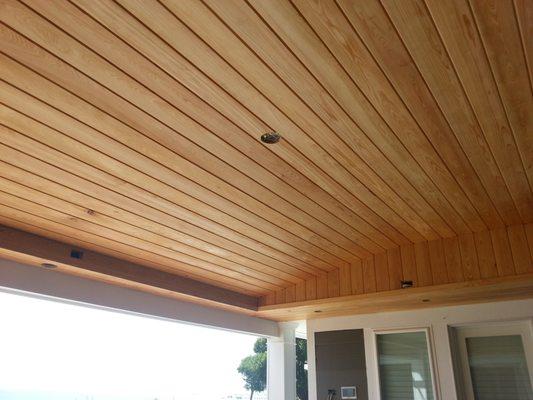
(340, 361)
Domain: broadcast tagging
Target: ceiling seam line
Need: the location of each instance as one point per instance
(386, 76)
(105, 60)
(498, 88)
(188, 211)
(472, 109)
(145, 230)
(388, 127)
(440, 109)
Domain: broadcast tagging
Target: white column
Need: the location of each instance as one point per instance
(311, 364)
(281, 363)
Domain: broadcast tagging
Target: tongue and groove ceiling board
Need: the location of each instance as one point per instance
(132, 128)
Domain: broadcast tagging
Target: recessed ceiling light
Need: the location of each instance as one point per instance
(270, 138)
(48, 265)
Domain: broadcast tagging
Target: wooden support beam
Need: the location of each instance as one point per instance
(483, 290)
(27, 245)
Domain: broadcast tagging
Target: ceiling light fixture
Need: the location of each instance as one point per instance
(270, 138)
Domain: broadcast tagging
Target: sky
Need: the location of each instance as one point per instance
(70, 352)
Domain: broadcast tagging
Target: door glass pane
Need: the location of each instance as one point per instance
(498, 368)
(404, 368)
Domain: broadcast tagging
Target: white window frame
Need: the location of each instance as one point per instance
(524, 328)
(431, 356)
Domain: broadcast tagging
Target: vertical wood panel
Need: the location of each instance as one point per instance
(438, 262)
(311, 289)
(290, 294)
(409, 264)
(300, 291)
(358, 286)
(269, 299)
(369, 275)
(345, 278)
(394, 261)
(333, 283)
(322, 287)
(520, 249)
(485, 254)
(382, 273)
(481, 255)
(280, 296)
(502, 252)
(529, 234)
(453, 259)
(423, 266)
(467, 246)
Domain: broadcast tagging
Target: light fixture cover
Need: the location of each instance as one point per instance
(270, 138)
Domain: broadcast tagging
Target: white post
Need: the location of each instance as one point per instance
(281, 363)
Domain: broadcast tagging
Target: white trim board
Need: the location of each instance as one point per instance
(34, 281)
(437, 319)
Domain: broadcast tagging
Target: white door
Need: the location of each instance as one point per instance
(496, 361)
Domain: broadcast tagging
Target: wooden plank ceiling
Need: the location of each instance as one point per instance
(132, 128)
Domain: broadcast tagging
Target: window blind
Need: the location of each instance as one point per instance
(498, 368)
(404, 367)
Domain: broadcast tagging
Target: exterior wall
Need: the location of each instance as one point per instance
(438, 320)
(340, 361)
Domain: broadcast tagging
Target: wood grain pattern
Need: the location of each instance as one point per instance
(485, 251)
(382, 272)
(383, 41)
(357, 278)
(133, 127)
(509, 50)
(300, 291)
(369, 275)
(498, 253)
(345, 280)
(479, 291)
(413, 21)
(520, 249)
(16, 241)
(394, 262)
(409, 264)
(502, 252)
(310, 289)
(454, 264)
(457, 27)
(469, 257)
(438, 262)
(423, 264)
(322, 287)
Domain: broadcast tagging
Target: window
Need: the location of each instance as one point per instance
(404, 364)
(494, 361)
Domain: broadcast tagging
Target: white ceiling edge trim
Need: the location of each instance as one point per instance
(52, 285)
